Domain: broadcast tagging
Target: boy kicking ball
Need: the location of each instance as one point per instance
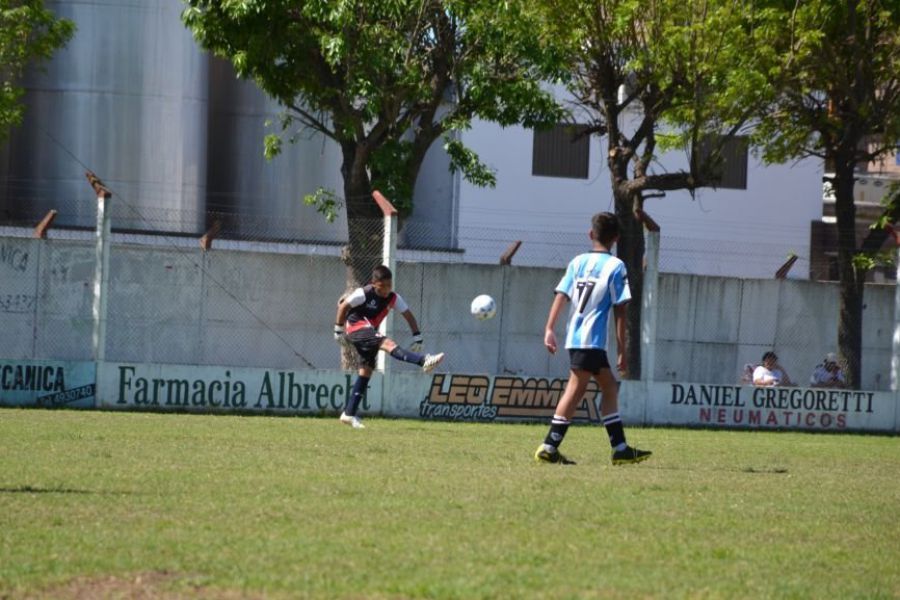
(596, 282)
(358, 316)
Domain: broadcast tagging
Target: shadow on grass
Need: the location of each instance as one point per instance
(752, 470)
(28, 489)
(777, 470)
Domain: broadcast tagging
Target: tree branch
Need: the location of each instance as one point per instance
(312, 122)
(680, 180)
(876, 237)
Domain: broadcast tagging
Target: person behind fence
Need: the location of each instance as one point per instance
(828, 373)
(770, 373)
(358, 315)
(596, 282)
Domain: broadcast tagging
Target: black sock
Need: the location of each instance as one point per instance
(615, 429)
(356, 395)
(558, 427)
(408, 356)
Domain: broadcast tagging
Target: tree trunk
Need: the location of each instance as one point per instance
(365, 230)
(365, 222)
(630, 250)
(851, 279)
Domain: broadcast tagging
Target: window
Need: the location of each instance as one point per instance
(732, 170)
(562, 151)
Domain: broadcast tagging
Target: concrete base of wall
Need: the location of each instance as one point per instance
(438, 396)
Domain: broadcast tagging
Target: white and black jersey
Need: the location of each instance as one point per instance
(368, 309)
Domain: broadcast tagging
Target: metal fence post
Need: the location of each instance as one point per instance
(389, 259)
(895, 347)
(101, 266)
(649, 307)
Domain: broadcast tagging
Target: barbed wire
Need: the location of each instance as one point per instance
(136, 211)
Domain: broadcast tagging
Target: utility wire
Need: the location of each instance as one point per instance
(185, 256)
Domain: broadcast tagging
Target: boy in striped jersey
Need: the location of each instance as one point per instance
(596, 282)
(362, 311)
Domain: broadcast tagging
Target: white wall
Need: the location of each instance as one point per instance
(741, 233)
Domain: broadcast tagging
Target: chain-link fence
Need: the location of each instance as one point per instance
(263, 294)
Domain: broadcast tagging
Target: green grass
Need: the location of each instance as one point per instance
(210, 506)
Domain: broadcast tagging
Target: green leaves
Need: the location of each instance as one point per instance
(891, 204)
(28, 33)
(271, 146)
(833, 76)
(326, 203)
(466, 161)
(387, 78)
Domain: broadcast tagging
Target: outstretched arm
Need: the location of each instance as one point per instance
(411, 319)
(417, 342)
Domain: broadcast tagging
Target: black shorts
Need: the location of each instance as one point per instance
(588, 359)
(367, 342)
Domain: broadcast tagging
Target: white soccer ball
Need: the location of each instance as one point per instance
(483, 307)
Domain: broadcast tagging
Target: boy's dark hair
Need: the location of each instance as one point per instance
(605, 227)
(769, 354)
(381, 273)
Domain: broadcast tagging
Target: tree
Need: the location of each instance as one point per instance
(835, 94)
(384, 79)
(650, 76)
(28, 33)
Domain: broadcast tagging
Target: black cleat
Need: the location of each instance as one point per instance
(630, 455)
(544, 455)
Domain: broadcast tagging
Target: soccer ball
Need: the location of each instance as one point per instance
(483, 307)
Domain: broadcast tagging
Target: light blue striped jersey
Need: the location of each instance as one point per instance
(594, 282)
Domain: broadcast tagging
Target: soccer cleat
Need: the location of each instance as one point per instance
(629, 455)
(544, 455)
(353, 421)
(431, 361)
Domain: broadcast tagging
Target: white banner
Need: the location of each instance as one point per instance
(228, 389)
(817, 409)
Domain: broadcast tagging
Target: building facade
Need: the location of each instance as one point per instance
(180, 141)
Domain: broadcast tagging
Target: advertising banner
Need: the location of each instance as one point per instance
(229, 389)
(484, 398)
(47, 383)
(440, 396)
(733, 406)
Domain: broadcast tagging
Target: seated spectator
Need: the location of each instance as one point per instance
(770, 373)
(828, 373)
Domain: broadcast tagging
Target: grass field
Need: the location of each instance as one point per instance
(97, 504)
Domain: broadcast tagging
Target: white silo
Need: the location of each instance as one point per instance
(127, 98)
(263, 199)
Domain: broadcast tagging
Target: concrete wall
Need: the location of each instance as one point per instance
(45, 299)
(745, 233)
(441, 396)
(709, 327)
(179, 305)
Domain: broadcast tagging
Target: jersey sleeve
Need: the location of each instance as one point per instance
(567, 283)
(399, 303)
(356, 297)
(618, 288)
